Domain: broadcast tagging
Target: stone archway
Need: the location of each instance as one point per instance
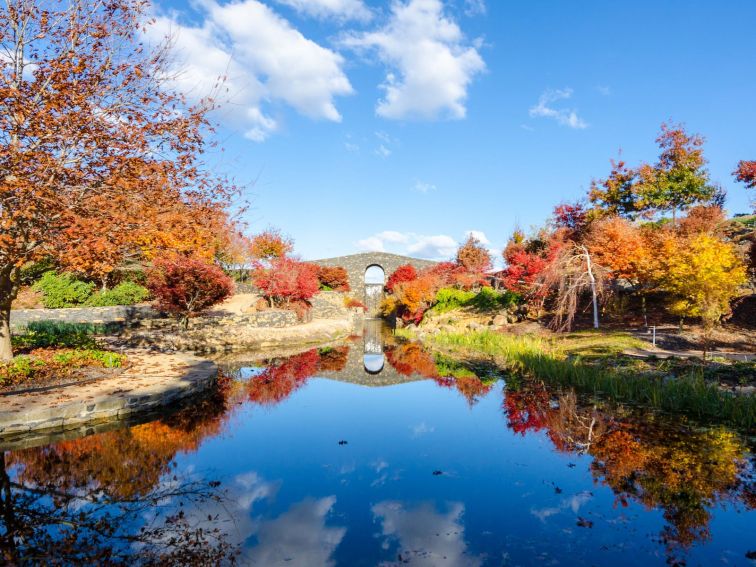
(357, 266)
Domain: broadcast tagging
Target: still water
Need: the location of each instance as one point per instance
(381, 453)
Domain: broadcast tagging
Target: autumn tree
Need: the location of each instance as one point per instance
(405, 273)
(473, 256)
(287, 280)
(91, 136)
(746, 173)
(186, 286)
(333, 277)
(616, 194)
(271, 244)
(572, 274)
(703, 274)
(678, 180)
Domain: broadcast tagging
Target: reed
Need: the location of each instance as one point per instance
(559, 364)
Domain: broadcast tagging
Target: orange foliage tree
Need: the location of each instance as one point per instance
(91, 136)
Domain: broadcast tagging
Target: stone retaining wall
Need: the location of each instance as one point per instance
(153, 381)
(121, 314)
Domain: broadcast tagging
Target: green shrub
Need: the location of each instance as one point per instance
(63, 290)
(487, 299)
(450, 298)
(44, 334)
(33, 271)
(125, 293)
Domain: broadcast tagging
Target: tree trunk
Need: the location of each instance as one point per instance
(8, 291)
(6, 349)
(593, 288)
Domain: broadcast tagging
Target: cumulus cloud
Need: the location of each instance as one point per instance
(430, 64)
(425, 536)
(566, 117)
(479, 235)
(430, 246)
(341, 10)
(263, 58)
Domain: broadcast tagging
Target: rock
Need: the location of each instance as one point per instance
(500, 320)
(475, 326)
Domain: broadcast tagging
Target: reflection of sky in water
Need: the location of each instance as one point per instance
(373, 362)
(376, 499)
(423, 478)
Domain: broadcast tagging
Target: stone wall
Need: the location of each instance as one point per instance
(121, 315)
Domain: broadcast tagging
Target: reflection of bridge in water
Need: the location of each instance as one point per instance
(367, 366)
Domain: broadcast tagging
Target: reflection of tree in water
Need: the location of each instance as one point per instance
(412, 359)
(681, 470)
(110, 498)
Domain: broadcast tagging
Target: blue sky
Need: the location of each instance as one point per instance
(403, 125)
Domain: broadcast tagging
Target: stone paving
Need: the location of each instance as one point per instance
(153, 380)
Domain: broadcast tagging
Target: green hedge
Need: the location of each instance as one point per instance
(63, 290)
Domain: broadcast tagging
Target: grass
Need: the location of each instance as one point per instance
(583, 361)
(49, 350)
(42, 366)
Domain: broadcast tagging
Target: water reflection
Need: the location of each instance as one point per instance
(113, 497)
(433, 463)
(423, 536)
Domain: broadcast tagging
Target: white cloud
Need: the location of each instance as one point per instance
(371, 244)
(425, 537)
(604, 90)
(423, 187)
(564, 116)
(263, 58)
(430, 64)
(341, 10)
(479, 235)
(475, 7)
(439, 247)
(351, 147)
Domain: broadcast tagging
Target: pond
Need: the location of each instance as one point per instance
(375, 452)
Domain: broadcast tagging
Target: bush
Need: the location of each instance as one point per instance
(125, 293)
(186, 287)
(287, 281)
(402, 274)
(450, 298)
(352, 303)
(487, 299)
(63, 290)
(33, 271)
(333, 278)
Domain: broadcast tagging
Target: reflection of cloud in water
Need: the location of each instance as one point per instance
(254, 488)
(298, 536)
(573, 503)
(421, 429)
(425, 536)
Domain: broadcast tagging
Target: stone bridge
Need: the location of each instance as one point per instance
(378, 266)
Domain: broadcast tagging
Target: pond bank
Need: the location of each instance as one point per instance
(153, 380)
(603, 374)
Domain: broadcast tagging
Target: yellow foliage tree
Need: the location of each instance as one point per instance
(703, 274)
